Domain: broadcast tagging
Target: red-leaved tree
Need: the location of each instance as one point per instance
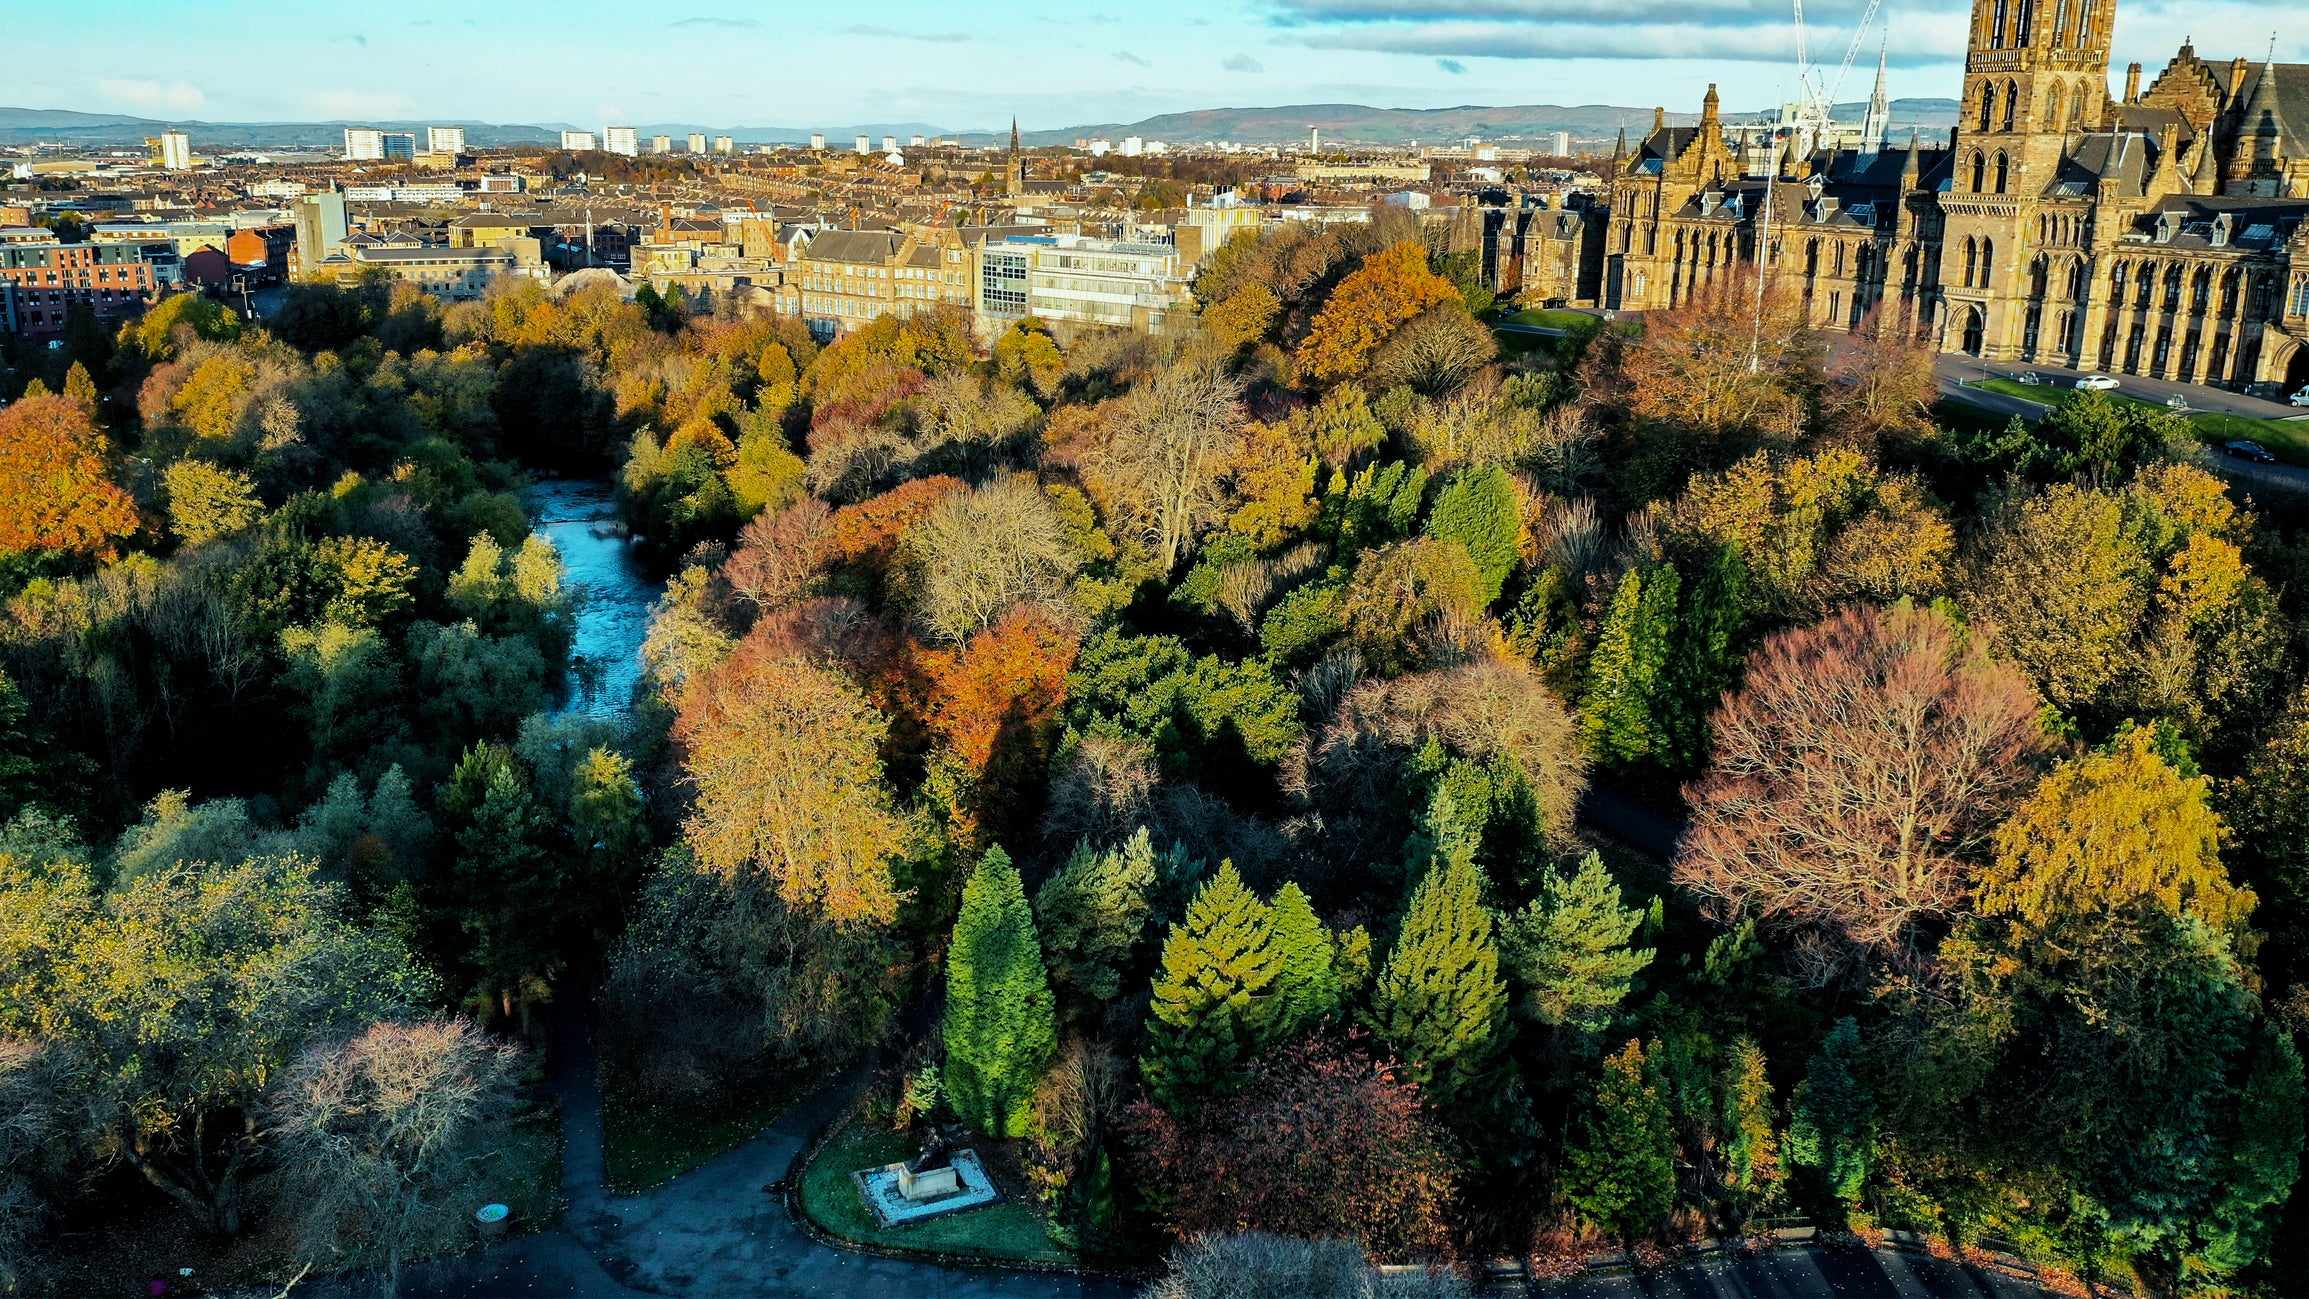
(1319, 1144)
(1858, 775)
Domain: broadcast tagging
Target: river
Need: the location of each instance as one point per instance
(612, 593)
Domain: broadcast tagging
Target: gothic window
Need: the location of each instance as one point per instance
(2011, 102)
(1987, 105)
(1987, 263)
(1996, 33)
(2060, 24)
(2084, 23)
(1971, 261)
(2148, 292)
(2076, 281)
(1979, 173)
(2201, 290)
(2300, 305)
(1839, 259)
(2076, 109)
(2229, 293)
(2038, 276)
(2052, 108)
(2025, 34)
(2172, 288)
(2003, 172)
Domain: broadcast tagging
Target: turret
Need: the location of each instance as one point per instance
(2133, 83)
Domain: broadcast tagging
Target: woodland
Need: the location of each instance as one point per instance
(1166, 751)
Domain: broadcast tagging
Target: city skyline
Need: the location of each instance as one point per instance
(530, 63)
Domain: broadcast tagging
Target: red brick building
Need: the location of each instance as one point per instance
(48, 279)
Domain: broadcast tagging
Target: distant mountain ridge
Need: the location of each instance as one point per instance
(1339, 123)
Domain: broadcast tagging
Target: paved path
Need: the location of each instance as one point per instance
(1805, 1274)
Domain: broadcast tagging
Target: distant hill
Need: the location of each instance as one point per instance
(1340, 124)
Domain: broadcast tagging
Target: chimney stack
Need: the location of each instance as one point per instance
(2133, 84)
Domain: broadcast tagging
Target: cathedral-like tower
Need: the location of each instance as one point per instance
(1014, 170)
(2035, 77)
(1877, 125)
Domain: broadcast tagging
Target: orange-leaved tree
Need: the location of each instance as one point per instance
(1391, 287)
(785, 758)
(996, 700)
(56, 492)
(1729, 362)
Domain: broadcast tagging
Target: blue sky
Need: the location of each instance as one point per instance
(974, 63)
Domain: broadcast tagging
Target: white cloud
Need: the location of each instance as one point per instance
(153, 94)
(362, 103)
(1928, 31)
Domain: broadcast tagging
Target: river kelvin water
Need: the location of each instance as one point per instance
(613, 595)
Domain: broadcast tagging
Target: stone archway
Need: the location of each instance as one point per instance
(1975, 331)
(2297, 370)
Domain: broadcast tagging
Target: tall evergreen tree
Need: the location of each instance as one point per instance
(1001, 1023)
(1833, 1128)
(1308, 988)
(1439, 1003)
(1704, 660)
(1569, 947)
(1621, 1174)
(1617, 717)
(1751, 1145)
(508, 892)
(1213, 997)
(1091, 914)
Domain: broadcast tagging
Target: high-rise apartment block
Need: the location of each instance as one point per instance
(366, 144)
(621, 140)
(444, 139)
(697, 142)
(1560, 145)
(661, 144)
(175, 151)
(577, 141)
(725, 144)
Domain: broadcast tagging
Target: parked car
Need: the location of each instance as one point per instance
(2097, 383)
(2177, 402)
(2301, 398)
(2252, 451)
(2029, 379)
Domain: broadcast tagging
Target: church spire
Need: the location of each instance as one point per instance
(1014, 172)
(1877, 126)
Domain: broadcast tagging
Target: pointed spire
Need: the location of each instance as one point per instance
(1709, 105)
(1912, 166)
(1659, 119)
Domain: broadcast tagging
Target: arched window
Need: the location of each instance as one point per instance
(2147, 295)
(2025, 33)
(1987, 105)
(2076, 109)
(2051, 120)
(1974, 332)
(2039, 275)
(1971, 261)
(2173, 288)
(2084, 23)
(2003, 172)
(1996, 33)
(2201, 290)
(2011, 102)
(2076, 280)
(1987, 263)
(2060, 24)
(1979, 173)
(2117, 286)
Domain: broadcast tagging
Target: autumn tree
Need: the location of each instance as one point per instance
(1881, 384)
(386, 1142)
(970, 556)
(1406, 594)
(1858, 775)
(1160, 467)
(1317, 1144)
(1729, 364)
(1752, 1143)
(56, 491)
(2110, 830)
(1000, 1027)
(1390, 288)
(186, 992)
(207, 501)
(1434, 353)
(785, 759)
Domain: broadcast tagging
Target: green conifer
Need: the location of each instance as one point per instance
(1479, 511)
(1833, 1128)
(1307, 989)
(1569, 947)
(1091, 914)
(1624, 673)
(1621, 1174)
(1705, 657)
(1439, 1002)
(1213, 996)
(1001, 1028)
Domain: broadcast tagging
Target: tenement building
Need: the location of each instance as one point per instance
(2164, 233)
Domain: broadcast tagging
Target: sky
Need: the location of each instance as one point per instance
(972, 64)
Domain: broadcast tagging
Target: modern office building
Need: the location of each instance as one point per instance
(621, 140)
(397, 146)
(1080, 280)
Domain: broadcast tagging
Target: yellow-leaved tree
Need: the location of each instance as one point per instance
(1391, 287)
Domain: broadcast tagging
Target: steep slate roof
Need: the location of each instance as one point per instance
(858, 247)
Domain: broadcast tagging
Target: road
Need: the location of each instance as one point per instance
(1956, 371)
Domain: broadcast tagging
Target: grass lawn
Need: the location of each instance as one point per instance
(646, 1142)
(1541, 318)
(1008, 1230)
(2288, 440)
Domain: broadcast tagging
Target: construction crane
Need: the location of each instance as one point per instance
(1818, 104)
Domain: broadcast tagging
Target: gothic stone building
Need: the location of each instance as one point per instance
(2165, 233)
